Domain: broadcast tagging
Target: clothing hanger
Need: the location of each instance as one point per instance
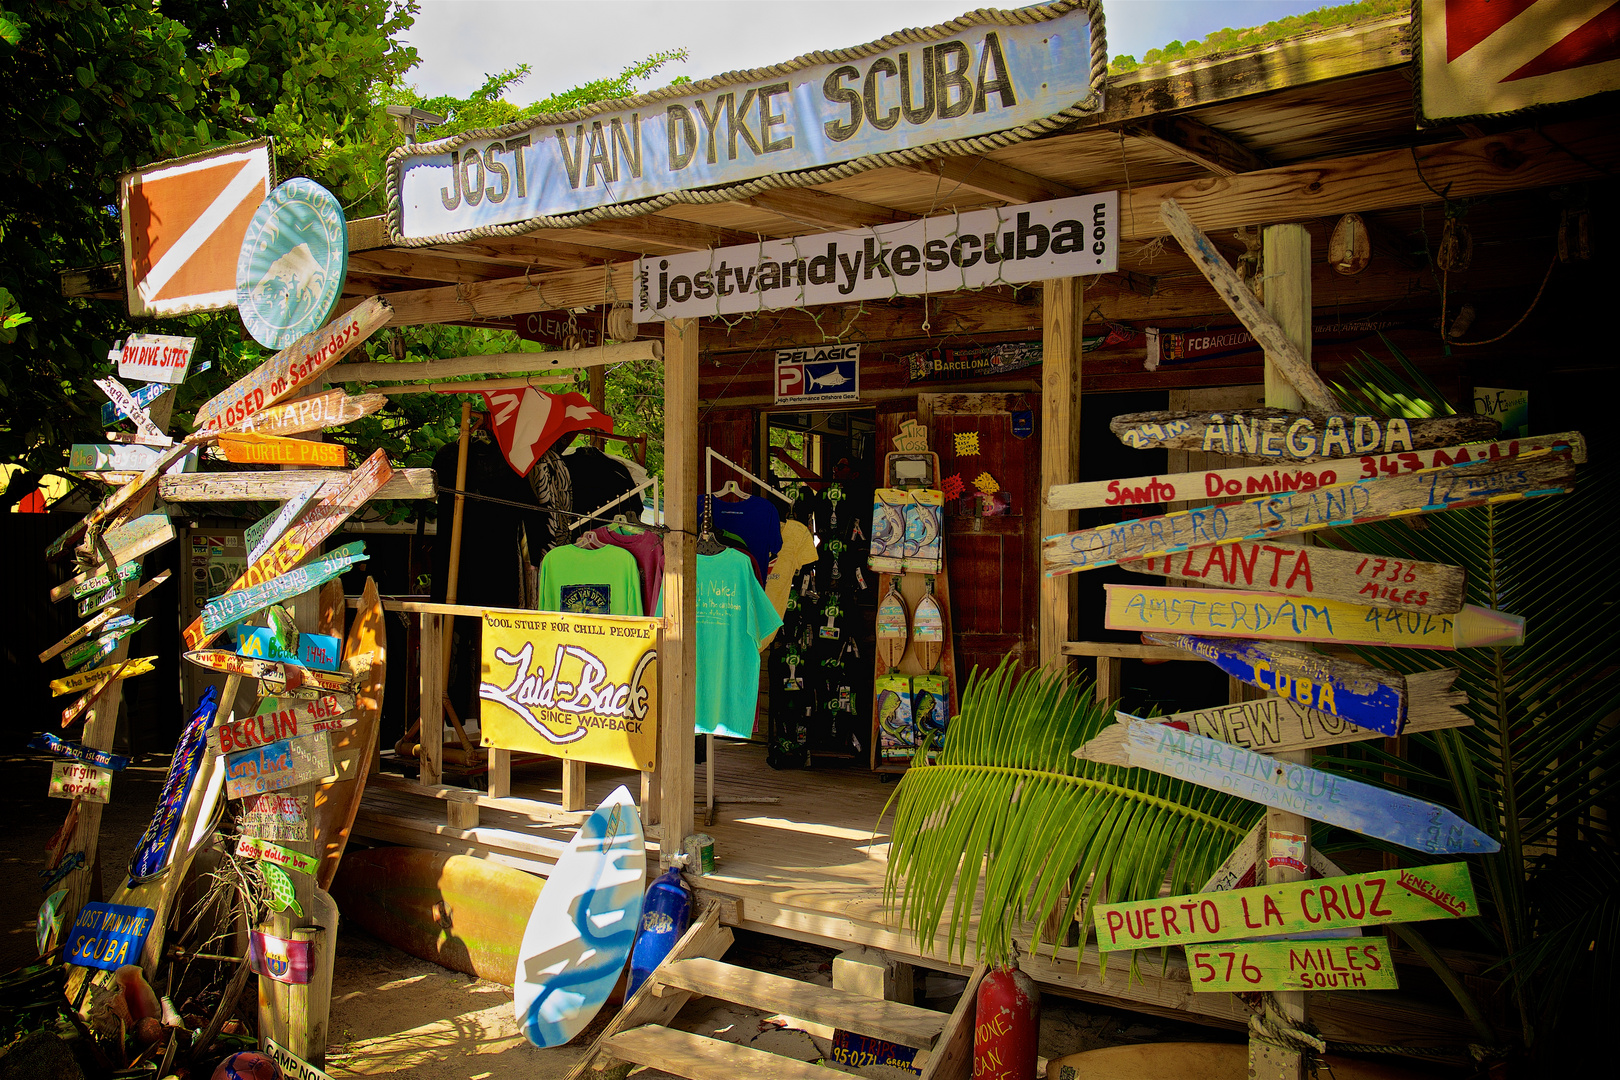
(729, 488)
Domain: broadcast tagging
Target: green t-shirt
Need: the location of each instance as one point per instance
(733, 616)
(603, 581)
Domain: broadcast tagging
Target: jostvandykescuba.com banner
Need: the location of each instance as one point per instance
(1003, 245)
(986, 72)
(574, 686)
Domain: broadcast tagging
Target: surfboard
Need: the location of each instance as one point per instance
(337, 803)
(456, 911)
(581, 928)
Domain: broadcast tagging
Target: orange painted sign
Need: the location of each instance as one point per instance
(183, 224)
(247, 448)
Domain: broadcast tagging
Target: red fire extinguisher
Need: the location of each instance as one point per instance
(1007, 1025)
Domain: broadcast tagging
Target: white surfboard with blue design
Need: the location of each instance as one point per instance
(583, 925)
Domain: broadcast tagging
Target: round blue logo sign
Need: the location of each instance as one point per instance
(294, 259)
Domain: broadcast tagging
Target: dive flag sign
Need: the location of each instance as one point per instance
(108, 936)
(818, 375)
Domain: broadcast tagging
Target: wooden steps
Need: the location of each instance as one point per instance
(681, 1053)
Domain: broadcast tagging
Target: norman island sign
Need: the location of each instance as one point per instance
(1017, 73)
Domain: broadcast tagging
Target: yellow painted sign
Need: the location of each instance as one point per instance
(1237, 966)
(574, 686)
(254, 449)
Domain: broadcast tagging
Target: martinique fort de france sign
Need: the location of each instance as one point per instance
(1018, 74)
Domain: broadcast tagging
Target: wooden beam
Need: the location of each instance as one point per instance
(520, 363)
(992, 178)
(677, 653)
(665, 233)
(417, 263)
(1063, 316)
(824, 209)
(1202, 145)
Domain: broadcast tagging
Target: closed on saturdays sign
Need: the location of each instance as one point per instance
(576, 686)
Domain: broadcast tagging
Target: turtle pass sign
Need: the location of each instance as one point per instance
(818, 375)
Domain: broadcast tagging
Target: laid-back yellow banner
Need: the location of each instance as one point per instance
(574, 686)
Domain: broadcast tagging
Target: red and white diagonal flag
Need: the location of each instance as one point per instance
(1486, 57)
(183, 225)
(527, 421)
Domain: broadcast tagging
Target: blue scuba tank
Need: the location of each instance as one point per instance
(664, 917)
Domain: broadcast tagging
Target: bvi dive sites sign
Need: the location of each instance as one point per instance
(1019, 74)
(575, 686)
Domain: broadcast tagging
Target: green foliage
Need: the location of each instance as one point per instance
(1009, 803)
(1227, 40)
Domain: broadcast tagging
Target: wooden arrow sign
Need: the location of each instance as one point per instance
(95, 694)
(109, 457)
(1245, 966)
(119, 395)
(70, 684)
(319, 651)
(127, 542)
(125, 573)
(1365, 695)
(117, 500)
(297, 542)
(141, 395)
(274, 672)
(254, 449)
(1227, 613)
(1273, 725)
(252, 847)
(50, 743)
(1289, 476)
(261, 534)
(124, 607)
(1281, 435)
(1527, 476)
(328, 409)
(238, 604)
(1299, 789)
(1317, 572)
(281, 718)
(281, 375)
(101, 647)
(1445, 891)
(278, 766)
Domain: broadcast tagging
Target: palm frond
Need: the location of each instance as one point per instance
(1375, 387)
(993, 834)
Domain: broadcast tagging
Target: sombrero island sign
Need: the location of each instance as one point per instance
(985, 80)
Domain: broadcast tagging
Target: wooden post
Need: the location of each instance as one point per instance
(1062, 318)
(677, 660)
(573, 784)
(1286, 273)
(431, 702)
(500, 772)
(452, 580)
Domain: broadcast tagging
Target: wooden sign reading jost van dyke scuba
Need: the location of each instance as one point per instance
(1527, 476)
(1006, 72)
(1387, 896)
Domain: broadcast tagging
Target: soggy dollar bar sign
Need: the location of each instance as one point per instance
(1023, 73)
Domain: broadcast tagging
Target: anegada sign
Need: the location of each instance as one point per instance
(1019, 72)
(1062, 238)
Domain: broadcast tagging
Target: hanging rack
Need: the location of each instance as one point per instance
(593, 515)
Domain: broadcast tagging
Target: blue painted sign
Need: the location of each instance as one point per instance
(108, 936)
(818, 374)
(294, 258)
(238, 604)
(1320, 796)
(318, 651)
(863, 1051)
(51, 744)
(142, 396)
(151, 855)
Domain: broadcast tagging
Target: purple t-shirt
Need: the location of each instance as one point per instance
(648, 548)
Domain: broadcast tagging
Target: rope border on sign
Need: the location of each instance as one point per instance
(981, 144)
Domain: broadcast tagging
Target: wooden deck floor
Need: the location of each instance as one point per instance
(810, 867)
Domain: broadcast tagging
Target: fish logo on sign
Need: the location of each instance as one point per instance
(818, 375)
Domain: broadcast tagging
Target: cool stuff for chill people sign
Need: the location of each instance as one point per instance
(978, 74)
(1061, 238)
(576, 686)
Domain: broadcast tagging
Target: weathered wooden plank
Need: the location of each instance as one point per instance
(1526, 476)
(121, 576)
(282, 374)
(266, 531)
(128, 542)
(280, 486)
(1285, 435)
(274, 673)
(103, 646)
(123, 607)
(83, 680)
(1317, 572)
(1368, 696)
(1336, 800)
(328, 409)
(1244, 966)
(520, 363)
(238, 604)
(1287, 476)
(124, 496)
(1280, 348)
(120, 396)
(1275, 725)
(142, 396)
(277, 766)
(114, 457)
(1242, 613)
(110, 595)
(284, 718)
(322, 651)
(251, 449)
(100, 758)
(1443, 891)
(97, 692)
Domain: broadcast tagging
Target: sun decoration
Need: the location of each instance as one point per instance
(967, 444)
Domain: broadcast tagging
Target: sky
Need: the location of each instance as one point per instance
(570, 42)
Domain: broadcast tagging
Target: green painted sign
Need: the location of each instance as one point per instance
(1387, 896)
(1336, 964)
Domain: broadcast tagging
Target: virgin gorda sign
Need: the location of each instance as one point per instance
(985, 80)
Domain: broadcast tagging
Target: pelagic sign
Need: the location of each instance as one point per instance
(818, 375)
(1061, 238)
(985, 72)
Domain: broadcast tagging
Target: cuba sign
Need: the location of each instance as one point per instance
(574, 686)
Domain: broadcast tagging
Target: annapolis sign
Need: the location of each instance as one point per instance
(1021, 73)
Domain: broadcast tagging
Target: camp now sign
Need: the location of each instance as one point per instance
(575, 686)
(984, 72)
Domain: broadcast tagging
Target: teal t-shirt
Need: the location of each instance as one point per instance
(733, 616)
(603, 581)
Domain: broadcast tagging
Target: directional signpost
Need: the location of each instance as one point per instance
(278, 719)
(1296, 436)
(122, 608)
(273, 672)
(277, 766)
(1478, 483)
(261, 534)
(142, 396)
(1387, 815)
(319, 651)
(251, 449)
(156, 358)
(120, 396)
(1225, 613)
(330, 408)
(83, 680)
(253, 847)
(238, 604)
(275, 817)
(101, 647)
(1243, 966)
(101, 758)
(76, 780)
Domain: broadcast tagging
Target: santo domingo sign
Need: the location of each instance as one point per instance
(1017, 74)
(576, 686)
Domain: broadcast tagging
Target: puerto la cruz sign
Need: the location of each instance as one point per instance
(977, 83)
(576, 686)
